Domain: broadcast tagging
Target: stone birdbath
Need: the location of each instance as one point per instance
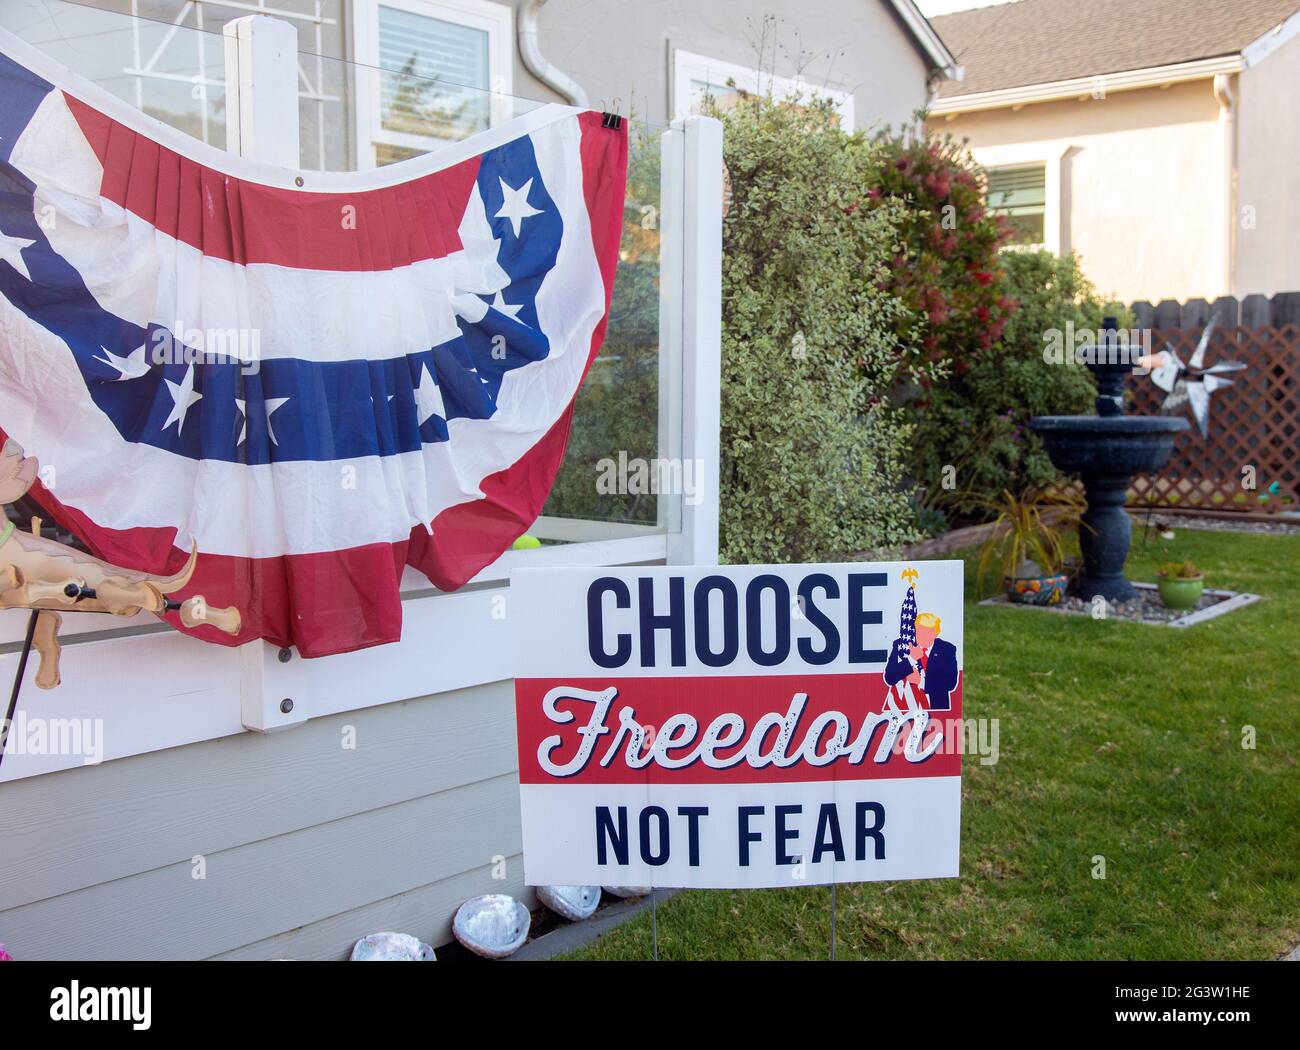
(1106, 450)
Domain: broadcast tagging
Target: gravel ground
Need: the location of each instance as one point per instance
(1145, 608)
(1173, 523)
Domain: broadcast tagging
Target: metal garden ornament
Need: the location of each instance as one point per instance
(1191, 382)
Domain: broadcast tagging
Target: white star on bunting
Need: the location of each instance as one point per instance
(271, 404)
(11, 252)
(183, 396)
(515, 207)
(511, 311)
(132, 366)
(428, 398)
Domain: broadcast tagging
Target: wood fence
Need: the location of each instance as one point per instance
(1251, 459)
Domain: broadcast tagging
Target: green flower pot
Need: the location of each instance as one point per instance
(1180, 594)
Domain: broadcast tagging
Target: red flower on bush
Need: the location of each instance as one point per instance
(937, 184)
(948, 274)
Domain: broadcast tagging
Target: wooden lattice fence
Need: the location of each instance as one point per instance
(1254, 429)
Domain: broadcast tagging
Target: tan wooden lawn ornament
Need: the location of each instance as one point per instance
(45, 576)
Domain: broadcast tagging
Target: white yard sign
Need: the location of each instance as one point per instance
(739, 726)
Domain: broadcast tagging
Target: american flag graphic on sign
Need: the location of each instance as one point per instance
(907, 616)
(318, 379)
(899, 696)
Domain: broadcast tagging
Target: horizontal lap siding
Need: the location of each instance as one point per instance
(298, 835)
(424, 912)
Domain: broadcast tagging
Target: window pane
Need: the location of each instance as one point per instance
(1021, 195)
(723, 95)
(439, 75)
(389, 154)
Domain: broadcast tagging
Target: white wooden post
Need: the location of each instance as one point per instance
(672, 227)
(262, 89)
(700, 266)
(262, 124)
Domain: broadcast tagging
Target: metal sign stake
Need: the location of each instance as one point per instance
(833, 903)
(654, 923)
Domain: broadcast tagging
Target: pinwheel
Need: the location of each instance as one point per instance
(1191, 382)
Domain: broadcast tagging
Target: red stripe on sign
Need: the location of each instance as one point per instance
(246, 222)
(773, 721)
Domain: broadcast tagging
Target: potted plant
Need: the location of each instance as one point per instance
(1180, 584)
(1026, 542)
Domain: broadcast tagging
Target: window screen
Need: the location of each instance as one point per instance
(1021, 195)
(439, 79)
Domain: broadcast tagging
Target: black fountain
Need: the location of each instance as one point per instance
(1106, 450)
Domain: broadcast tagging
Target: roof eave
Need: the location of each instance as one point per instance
(1056, 90)
(941, 59)
(1259, 49)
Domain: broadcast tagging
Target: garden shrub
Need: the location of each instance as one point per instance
(975, 420)
(813, 453)
(946, 269)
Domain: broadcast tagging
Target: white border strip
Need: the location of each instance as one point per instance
(931, 42)
(1231, 602)
(1257, 50)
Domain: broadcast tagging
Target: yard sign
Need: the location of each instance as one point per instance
(739, 726)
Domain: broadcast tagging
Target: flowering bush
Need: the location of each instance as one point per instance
(946, 267)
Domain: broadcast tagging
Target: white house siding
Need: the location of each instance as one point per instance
(306, 845)
(1268, 157)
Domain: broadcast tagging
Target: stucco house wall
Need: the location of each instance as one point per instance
(622, 52)
(1134, 183)
(1268, 159)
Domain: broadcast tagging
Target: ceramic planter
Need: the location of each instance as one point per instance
(1037, 590)
(1178, 593)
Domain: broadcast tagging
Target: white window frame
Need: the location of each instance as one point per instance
(497, 20)
(1051, 158)
(688, 66)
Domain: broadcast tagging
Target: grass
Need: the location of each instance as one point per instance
(1116, 739)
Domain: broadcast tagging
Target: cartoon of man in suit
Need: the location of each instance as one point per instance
(929, 664)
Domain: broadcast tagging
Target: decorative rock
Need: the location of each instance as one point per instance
(493, 926)
(627, 891)
(392, 947)
(572, 902)
(1145, 607)
(1288, 525)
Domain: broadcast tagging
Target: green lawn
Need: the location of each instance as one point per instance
(1116, 739)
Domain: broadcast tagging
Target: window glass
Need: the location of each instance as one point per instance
(1021, 195)
(437, 75)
